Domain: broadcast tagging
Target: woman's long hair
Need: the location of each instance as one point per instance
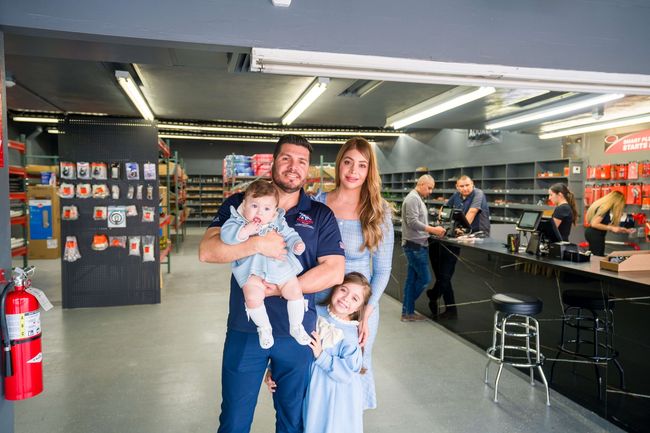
(558, 188)
(372, 206)
(613, 202)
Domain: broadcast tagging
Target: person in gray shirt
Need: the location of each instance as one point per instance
(472, 202)
(415, 241)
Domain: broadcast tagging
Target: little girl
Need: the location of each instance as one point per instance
(334, 400)
(258, 215)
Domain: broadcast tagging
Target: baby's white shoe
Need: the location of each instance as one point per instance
(300, 335)
(266, 337)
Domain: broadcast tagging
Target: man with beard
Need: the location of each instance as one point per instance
(244, 361)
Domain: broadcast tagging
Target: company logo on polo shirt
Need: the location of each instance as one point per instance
(304, 220)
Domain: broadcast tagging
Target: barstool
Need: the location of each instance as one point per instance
(513, 319)
(593, 312)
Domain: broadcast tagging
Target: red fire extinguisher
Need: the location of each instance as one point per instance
(22, 358)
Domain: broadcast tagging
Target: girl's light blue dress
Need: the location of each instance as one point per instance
(376, 267)
(270, 270)
(334, 398)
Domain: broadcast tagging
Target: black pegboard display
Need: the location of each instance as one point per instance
(110, 277)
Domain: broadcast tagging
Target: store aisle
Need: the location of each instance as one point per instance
(155, 369)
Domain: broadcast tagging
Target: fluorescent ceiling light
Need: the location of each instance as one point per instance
(277, 131)
(438, 104)
(553, 111)
(361, 67)
(601, 126)
(308, 97)
(54, 131)
(246, 139)
(34, 119)
(590, 120)
(134, 94)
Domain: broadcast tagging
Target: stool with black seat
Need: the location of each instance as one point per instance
(514, 323)
(591, 313)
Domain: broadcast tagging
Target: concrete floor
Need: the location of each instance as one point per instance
(156, 369)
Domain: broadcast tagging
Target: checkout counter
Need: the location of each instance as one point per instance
(487, 266)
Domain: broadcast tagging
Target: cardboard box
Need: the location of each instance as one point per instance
(44, 228)
(162, 169)
(636, 261)
(38, 169)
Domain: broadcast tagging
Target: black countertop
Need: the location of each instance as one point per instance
(591, 268)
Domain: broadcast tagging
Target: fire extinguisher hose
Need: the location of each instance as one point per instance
(6, 342)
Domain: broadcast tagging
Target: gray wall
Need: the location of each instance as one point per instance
(206, 157)
(598, 35)
(6, 407)
(449, 148)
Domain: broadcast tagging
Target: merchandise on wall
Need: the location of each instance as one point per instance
(109, 212)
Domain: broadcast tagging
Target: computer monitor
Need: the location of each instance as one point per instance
(529, 220)
(548, 230)
(445, 214)
(458, 217)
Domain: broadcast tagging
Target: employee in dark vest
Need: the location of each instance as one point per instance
(443, 258)
(415, 240)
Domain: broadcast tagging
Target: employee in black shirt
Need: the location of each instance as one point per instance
(565, 213)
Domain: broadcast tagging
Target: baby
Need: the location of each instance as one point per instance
(256, 216)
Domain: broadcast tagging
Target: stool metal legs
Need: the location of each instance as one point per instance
(515, 326)
(601, 328)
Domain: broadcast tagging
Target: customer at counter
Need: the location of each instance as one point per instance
(604, 215)
(443, 258)
(415, 236)
(565, 213)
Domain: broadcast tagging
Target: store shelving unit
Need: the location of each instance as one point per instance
(165, 217)
(510, 188)
(175, 180)
(18, 202)
(204, 197)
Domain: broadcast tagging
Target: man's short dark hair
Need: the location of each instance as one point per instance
(296, 139)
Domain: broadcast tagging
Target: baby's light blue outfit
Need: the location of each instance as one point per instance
(334, 398)
(269, 269)
(360, 260)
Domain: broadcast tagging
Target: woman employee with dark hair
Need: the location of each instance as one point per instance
(565, 213)
(604, 216)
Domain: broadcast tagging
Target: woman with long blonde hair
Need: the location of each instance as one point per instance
(604, 215)
(365, 221)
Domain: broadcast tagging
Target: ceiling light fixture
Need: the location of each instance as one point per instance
(35, 119)
(278, 131)
(641, 110)
(245, 139)
(545, 113)
(308, 97)
(600, 126)
(362, 67)
(438, 104)
(133, 92)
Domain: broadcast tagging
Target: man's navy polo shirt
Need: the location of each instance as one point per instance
(476, 200)
(316, 225)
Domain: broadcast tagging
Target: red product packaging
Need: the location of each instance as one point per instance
(589, 195)
(633, 195)
(591, 172)
(646, 190)
(633, 170)
(597, 192)
(645, 169)
(622, 171)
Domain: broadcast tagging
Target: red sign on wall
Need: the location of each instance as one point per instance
(636, 142)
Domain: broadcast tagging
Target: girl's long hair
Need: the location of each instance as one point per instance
(372, 207)
(354, 278)
(613, 202)
(558, 188)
